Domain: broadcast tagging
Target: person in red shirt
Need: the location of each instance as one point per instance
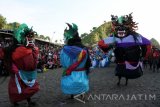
(155, 59)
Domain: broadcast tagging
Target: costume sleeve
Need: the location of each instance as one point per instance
(107, 43)
(145, 41)
(103, 46)
(25, 58)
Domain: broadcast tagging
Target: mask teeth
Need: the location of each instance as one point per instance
(31, 42)
(122, 31)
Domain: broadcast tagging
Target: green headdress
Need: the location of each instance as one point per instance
(22, 32)
(121, 19)
(71, 32)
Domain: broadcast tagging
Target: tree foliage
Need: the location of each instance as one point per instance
(14, 25)
(2, 21)
(11, 26)
(97, 33)
(84, 35)
(41, 37)
(155, 42)
(47, 38)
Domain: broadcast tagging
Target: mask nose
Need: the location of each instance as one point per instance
(30, 39)
(121, 28)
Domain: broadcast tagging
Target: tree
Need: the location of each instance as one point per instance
(42, 37)
(47, 37)
(2, 21)
(36, 35)
(12, 26)
(94, 28)
(97, 33)
(155, 42)
(84, 35)
(15, 25)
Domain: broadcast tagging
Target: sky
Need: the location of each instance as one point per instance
(48, 17)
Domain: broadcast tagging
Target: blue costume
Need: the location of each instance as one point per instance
(77, 82)
(74, 58)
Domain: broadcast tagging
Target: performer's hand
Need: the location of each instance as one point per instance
(112, 45)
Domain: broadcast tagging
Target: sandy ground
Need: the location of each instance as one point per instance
(141, 92)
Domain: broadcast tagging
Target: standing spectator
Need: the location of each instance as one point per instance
(1, 60)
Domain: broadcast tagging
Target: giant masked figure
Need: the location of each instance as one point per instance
(129, 47)
(75, 61)
(21, 61)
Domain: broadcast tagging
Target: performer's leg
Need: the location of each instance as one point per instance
(154, 68)
(150, 65)
(15, 104)
(72, 96)
(30, 103)
(126, 81)
(83, 97)
(119, 80)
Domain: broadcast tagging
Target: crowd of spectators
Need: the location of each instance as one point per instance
(3, 44)
(49, 56)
